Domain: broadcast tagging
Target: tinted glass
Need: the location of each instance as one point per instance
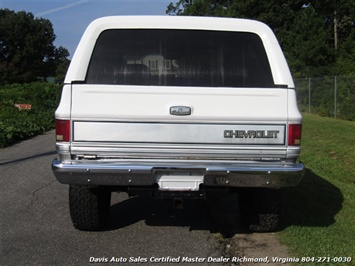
(179, 58)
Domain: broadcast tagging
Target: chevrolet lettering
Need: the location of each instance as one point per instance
(175, 107)
(264, 134)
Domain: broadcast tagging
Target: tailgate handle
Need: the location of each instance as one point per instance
(180, 110)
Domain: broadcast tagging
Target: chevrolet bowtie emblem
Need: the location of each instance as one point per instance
(180, 110)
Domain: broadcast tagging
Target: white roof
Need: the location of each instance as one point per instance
(81, 58)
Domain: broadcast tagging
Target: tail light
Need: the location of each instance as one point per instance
(294, 134)
(62, 130)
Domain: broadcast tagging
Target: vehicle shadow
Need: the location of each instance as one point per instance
(314, 202)
(218, 213)
(19, 160)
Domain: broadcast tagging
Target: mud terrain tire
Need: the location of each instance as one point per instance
(89, 207)
(260, 208)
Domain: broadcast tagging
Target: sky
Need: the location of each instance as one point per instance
(70, 18)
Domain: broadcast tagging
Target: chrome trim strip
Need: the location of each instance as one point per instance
(179, 133)
(194, 152)
(143, 173)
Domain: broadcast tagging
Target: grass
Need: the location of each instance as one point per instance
(319, 214)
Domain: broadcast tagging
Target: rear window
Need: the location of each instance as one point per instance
(179, 58)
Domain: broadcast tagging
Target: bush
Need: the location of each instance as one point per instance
(15, 124)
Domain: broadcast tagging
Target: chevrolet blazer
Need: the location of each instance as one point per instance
(175, 107)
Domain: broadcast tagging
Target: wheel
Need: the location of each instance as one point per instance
(260, 208)
(89, 207)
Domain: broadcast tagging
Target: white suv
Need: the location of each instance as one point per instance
(175, 107)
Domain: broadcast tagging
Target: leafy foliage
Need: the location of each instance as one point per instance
(16, 125)
(305, 45)
(317, 36)
(26, 48)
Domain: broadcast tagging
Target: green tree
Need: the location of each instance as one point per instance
(346, 56)
(338, 15)
(306, 46)
(26, 48)
(61, 62)
(316, 35)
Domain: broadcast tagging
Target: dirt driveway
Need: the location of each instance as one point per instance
(236, 241)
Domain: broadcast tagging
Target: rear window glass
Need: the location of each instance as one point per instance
(179, 58)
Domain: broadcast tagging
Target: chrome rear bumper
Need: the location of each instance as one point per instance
(144, 173)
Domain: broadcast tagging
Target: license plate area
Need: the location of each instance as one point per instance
(179, 180)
